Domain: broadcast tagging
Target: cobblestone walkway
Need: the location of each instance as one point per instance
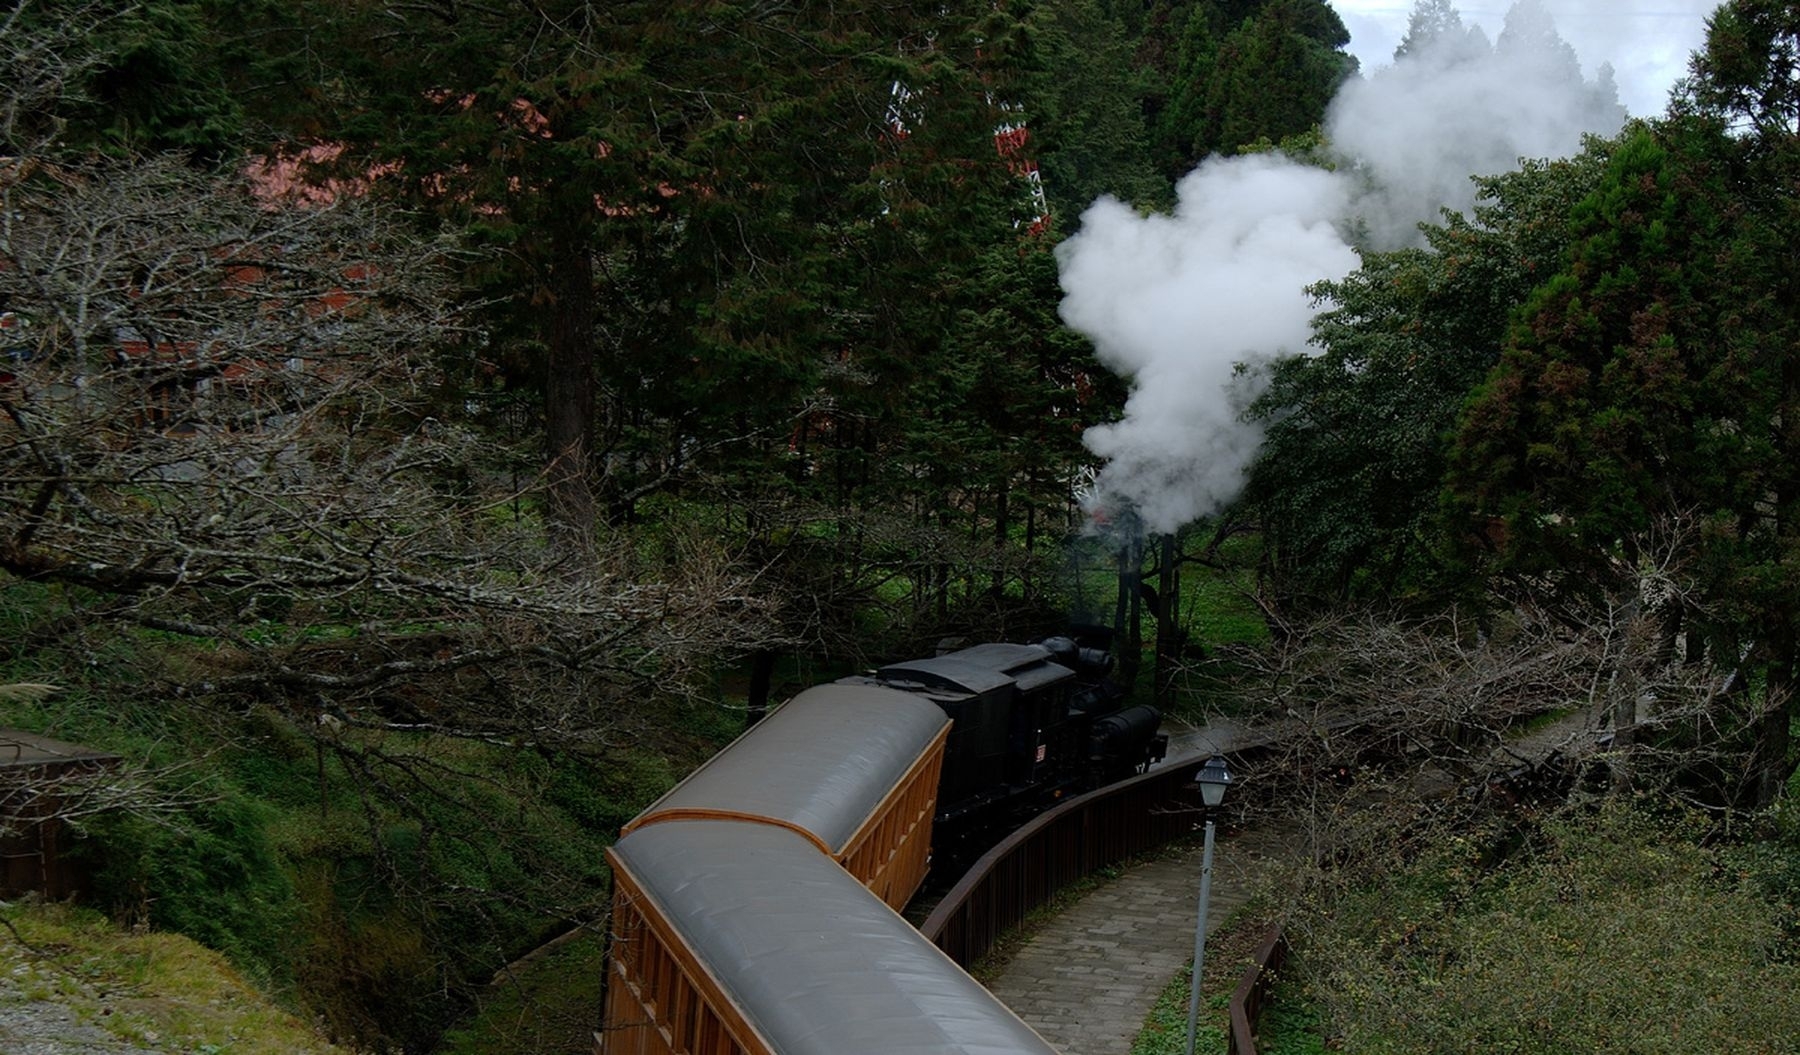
(1087, 980)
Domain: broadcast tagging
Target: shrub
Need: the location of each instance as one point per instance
(213, 876)
(1614, 931)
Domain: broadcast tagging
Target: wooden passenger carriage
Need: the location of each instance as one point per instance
(740, 939)
(754, 904)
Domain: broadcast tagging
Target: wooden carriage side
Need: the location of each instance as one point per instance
(659, 999)
(891, 853)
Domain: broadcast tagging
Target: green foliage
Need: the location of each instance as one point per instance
(1747, 69)
(126, 80)
(211, 873)
(148, 991)
(1767, 858)
(1641, 410)
(544, 1005)
(1438, 25)
(1292, 1025)
(1358, 440)
(1611, 931)
(1165, 1031)
(1250, 72)
(1220, 600)
(374, 881)
(1086, 120)
(1274, 76)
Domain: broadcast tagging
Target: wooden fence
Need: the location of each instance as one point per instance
(1076, 839)
(1253, 990)
(1058, 849)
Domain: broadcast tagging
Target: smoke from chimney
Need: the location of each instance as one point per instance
(1189, 306)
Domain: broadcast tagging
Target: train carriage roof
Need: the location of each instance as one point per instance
(981, 669)
(815, 962)
(821, 764)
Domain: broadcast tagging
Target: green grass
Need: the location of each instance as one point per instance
(1216, 611)
(361, 902)
(1165, 1031)
(546, 1006)
(1543, 720)
(1292, 1024)
(1618, 929)
(1230, 949)
(158, 991)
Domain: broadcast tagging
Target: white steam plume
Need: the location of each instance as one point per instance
(1177, 303)
(1174, 302)
(1422, 126)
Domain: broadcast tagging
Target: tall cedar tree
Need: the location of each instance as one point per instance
(1086, 117)
(1244, 72)
(696, 209)
(1346, 486)
(1436, 25)
(1653, 381)
(141, 80)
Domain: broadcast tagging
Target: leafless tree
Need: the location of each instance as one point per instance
(231, 458)
(1455, 703)
(235, 462)
(224, 418)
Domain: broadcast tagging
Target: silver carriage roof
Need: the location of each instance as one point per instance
(821, 764)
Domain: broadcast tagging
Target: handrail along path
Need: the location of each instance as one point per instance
(1077, 839)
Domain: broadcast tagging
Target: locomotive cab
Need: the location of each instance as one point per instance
(1012, 743)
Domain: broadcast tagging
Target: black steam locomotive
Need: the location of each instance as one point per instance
(1032, 725)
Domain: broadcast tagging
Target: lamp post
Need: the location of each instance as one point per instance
(1213, 779)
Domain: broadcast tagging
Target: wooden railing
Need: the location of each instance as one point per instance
(1253, 990)
(1078, 838)
(1059, 848)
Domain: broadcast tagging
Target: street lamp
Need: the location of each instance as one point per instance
(1213, 779)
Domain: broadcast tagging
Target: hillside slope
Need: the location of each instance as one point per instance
(72, 983)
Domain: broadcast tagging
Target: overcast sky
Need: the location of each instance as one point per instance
(1647, 41)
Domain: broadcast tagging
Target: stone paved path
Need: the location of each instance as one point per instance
(1087, 980)
(1574, 733)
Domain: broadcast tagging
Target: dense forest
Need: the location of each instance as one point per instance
(424, 427)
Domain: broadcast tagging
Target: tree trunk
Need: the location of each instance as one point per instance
(1168, 630)
(1002, 526)
(1770, 763)
(1127, 639)
(1031, 549)
(569, 396)
(762, 671)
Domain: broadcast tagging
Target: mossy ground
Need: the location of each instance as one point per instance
(83, 975)
(1228, 952)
